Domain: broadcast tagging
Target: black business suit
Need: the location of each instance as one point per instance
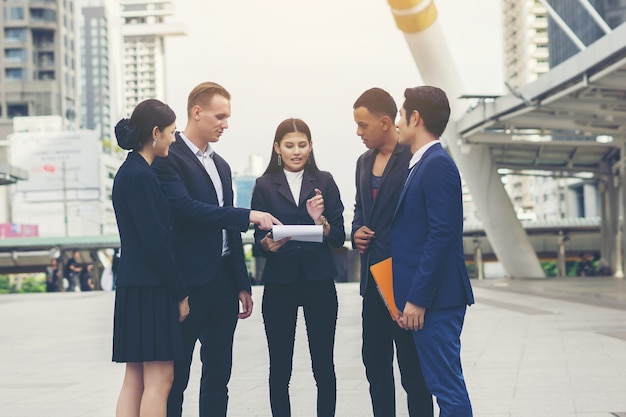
(213, 281)
(149, 285)
(300, 274)
(380, 332)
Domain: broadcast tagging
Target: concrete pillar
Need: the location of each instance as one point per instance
(609, 232)
(604, 218)
(621, 235)
(478, 259)
(560, 254)
(427, 42)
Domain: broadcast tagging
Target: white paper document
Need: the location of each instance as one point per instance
(304, 233)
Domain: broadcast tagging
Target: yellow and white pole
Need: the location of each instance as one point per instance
(428, 45)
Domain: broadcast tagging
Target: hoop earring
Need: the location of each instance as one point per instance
(280, 160)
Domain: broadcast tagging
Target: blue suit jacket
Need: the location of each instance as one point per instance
(377, 214)
(143, 220)
(427, 236)
(198, 218)
(313, 260)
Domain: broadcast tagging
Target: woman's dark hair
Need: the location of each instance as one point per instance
(133, 133)
(290, 126)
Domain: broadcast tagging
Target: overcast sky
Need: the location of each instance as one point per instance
(312, 59)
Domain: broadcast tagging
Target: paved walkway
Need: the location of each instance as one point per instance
(531, 348)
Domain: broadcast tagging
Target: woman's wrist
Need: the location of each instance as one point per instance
(322, 221)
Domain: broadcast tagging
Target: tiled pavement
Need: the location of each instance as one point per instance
(531, 348)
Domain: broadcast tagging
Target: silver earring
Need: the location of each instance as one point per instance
(154, 142)
(280, 161)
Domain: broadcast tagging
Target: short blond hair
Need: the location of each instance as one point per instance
(202, 94)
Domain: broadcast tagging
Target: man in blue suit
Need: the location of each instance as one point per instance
(380, 174)
(430, 282)
(208, 247)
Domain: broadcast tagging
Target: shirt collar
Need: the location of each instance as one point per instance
(420, 152)
(197, 151)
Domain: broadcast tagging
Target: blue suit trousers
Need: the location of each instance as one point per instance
(438, 347)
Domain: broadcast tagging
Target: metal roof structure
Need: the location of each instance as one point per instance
(28, 254)
(10, 174)
(570, 120)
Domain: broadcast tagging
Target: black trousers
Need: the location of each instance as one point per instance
(280, 310)
(212, 320)
(380, 333)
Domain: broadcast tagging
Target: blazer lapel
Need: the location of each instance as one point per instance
(222, 169)
(186, 152)
(283, 188)
(308, 188)
(412, 175)
(388, 168)
(366, 183)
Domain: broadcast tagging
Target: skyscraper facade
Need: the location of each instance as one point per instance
(145, 26)
(526, 58)
(38, 72)
(100, 48)
(525, 41)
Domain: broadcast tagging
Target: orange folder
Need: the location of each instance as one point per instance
(382, 273)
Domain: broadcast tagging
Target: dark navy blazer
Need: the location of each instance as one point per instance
(427, 236)
(377, 214)
(313, 260)
(198, 218)
(143, 220)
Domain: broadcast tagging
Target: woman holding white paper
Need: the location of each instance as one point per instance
(299, 273)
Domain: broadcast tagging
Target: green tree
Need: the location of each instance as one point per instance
(33, 284)
(5, 284)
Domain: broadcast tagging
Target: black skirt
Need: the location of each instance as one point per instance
(145, 325)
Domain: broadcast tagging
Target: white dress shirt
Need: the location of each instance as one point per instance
(420, 152)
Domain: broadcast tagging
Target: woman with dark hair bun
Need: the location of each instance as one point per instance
(298, 273)
(151, 298)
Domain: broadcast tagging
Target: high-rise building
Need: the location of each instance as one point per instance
(525, 41)
(100, 49)
(144, 29)
(526, 58)
(38, 69)
(39, 66)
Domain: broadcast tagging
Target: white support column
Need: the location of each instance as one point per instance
(478, 259)
(426, 40)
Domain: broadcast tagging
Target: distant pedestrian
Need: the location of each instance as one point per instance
(52, 276)
(72, 271)
(85, 278)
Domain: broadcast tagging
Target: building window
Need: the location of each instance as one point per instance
(14, 35)
(14, 74)
(15, 55)
(44, 15)
(13, 13)
(17, 110)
